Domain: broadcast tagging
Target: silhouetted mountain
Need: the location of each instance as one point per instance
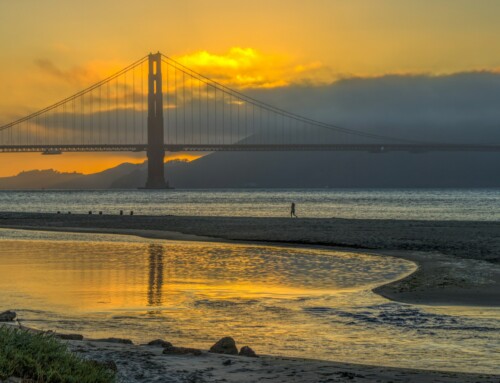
(38, 179)
(336, 169)
(51, 179)
(287, 170)
(104, 179)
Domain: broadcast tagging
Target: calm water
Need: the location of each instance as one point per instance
(288, 301)
(432, 204)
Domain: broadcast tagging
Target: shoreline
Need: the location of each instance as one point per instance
(144, 363)
(440, 278)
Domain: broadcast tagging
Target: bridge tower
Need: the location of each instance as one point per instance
(155, 148)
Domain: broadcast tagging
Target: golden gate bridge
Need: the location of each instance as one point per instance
(156, 104)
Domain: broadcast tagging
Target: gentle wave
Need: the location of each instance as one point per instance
(426, 204)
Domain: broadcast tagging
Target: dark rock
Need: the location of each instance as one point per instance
(113, 340)
(160, 343)
(69, 336)
(226, 345)
(247, 351)
(227, 362)
(7, 316)
(349, 375)
(181, 351)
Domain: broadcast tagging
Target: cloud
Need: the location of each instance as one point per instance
(461, 107)
(250, 68)
(75, 75)
(79, 75)
(49, 67)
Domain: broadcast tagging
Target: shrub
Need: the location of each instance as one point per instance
(44, 359)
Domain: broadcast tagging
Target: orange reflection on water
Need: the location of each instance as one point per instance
(287, 301)
(88, 276)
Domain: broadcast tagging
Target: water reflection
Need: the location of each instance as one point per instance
(155, 284)
(297, 302)
(104, 276)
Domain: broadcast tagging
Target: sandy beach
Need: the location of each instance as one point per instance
(148, 364)
(458, 264)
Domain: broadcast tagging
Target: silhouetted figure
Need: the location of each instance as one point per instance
(292, 211)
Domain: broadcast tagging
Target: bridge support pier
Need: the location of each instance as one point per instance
(156, 148)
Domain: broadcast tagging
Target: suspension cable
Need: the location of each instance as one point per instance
(74, 96)
(168, 60)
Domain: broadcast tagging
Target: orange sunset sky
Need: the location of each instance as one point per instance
(52, 49)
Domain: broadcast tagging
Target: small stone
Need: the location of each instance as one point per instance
(7, 316)
(69, 336)
(113, 340)
(226, 345)
(349, 375)
(247, 351)
(160, 343)
(181, 351)
(227, 362)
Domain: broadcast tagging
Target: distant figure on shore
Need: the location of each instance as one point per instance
(292, 211)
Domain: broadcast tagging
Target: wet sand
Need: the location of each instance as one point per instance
(148, 364)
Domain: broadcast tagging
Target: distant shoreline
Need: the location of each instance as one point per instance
(458, 262)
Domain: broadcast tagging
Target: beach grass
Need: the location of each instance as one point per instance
(42, 358)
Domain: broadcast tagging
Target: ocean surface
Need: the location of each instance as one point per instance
(427, 204)
(311, 303)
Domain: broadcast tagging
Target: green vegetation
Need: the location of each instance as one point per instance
(44, 359)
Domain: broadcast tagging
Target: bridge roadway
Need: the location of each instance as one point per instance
(371, 148)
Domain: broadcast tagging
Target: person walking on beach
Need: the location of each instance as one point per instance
(292, 211)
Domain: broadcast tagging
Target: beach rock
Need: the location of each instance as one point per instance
(226, 345)
(160, 343)
(227, 362)
(113, 340)
(69, 336)
(7, 316)
(172, 350)
(247, 351)
(349, 375)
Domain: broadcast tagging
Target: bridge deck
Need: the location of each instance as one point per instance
(374, 148)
